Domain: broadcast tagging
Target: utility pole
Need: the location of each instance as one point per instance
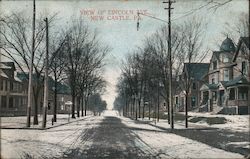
(30, 87)
(170, 62)
(46, 93)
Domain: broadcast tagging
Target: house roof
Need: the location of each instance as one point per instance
(242, 40)
(24, 76)
(196, 70)
(227, 45)
(8, 65)
(246, 41)
(212, 86)
(237, 80)
(2, 74)
(207, 86)
(61, 88)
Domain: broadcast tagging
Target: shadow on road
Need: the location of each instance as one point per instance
(111, 139)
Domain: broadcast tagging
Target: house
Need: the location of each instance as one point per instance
(227, 89)
(13, 94)
(239, 88)
(63, 96)
(191, 79)
(63, 93)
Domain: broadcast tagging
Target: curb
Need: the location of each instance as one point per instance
(25, 128)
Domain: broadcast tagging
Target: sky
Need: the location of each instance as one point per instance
(116, 21)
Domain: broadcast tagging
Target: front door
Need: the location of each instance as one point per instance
(221, 98)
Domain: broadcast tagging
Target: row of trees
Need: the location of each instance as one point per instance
(145, 73)
(76, 56)
(144, 79)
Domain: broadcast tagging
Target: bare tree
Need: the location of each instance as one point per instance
(15, 33)
(84, 55)
(56, 66)
(192, 35)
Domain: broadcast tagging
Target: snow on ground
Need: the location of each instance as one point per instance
(55, 142)
(237, 123)
(20, 121)
(26, 143)
(174, 146)
(110, 113)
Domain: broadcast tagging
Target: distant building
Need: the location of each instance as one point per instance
(13, 94)
(227, 89)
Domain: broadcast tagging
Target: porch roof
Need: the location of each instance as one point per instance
(207, 86)
(238, 81)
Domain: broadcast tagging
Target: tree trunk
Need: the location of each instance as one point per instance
(168, 113)
(139, 105)
(82, 105)
(78, 106)
(143, 111)
(55, 101)
(149, 111)
(35, 122)
(186, 111)
(136, 110)
(158, 105)
(73, 104)
(85, 108)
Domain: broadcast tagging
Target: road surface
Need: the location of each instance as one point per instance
(110, 139)
(106, 136)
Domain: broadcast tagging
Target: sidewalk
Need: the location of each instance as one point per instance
(20, 122)
(233, 141)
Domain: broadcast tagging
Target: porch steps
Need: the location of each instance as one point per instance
(216, 109)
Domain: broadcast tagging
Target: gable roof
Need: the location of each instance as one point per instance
(244, 40)
(207, 86)
(196, 70)
(8, 65)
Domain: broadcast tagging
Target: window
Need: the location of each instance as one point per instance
(243, 67)
(232, 94)
(6, 85)
(3, 102)
(214, 94)
(214, 65)
(226, 75)
(1, 84)
(176, 100)
(243, 93)
(213, 80)
(11, 102)
(193, 101)
(11, 86)
(226, 59)
(194, 85)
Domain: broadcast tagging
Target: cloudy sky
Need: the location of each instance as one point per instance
(116, 20)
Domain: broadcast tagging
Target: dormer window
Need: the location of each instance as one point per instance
(226, 59)
(214, 65)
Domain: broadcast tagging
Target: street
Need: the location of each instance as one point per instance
(105, 136)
